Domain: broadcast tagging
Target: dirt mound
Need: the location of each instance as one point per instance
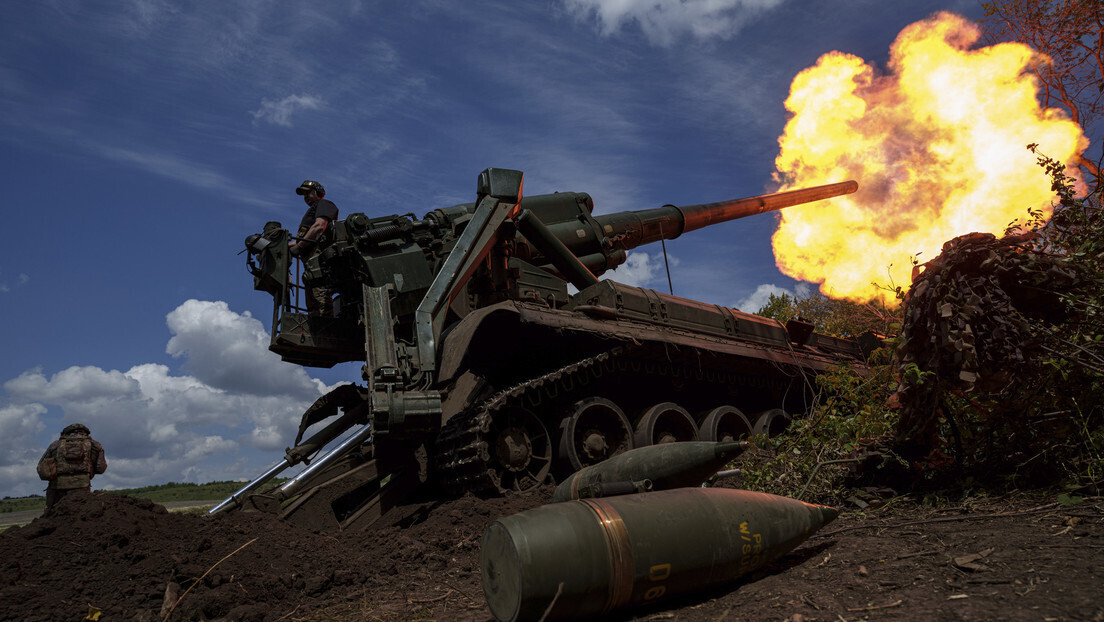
(134, 560)
(1019, 558)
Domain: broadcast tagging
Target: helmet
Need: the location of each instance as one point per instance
(309, 185)
(76, 428)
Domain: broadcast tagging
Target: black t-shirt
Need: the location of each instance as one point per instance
(321, 209)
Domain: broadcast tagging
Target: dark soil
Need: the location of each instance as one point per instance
(1021, 557)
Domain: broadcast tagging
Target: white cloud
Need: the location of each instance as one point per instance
(762, 294)
(227, 350)
(643, 270)
(74, 385)
(21, 279)
(200, 448)
(663, 21)
(18, 426)
(279, 112)
(269, 436)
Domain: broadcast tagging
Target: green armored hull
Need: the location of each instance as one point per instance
(483, 372)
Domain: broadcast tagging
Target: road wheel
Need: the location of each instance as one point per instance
(724, 424)
(665, 423)
(521, 450)
(772, 422)
(596, 430)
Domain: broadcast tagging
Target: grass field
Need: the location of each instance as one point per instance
(162, 493)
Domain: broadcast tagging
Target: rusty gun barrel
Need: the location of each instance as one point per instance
(670, 221)
(705, 214)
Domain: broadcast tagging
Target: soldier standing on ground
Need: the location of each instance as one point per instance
(71, 462)
(314, 232)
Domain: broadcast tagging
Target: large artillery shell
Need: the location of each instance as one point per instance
(592, 556)
(672, 465)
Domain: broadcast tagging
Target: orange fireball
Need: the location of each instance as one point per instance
(938, 146)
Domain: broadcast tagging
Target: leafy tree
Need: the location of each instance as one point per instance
(1071, 72)
(779, 307)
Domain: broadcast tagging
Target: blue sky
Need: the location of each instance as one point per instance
(143, 140)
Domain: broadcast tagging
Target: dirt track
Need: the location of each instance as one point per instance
(8, 519)
(1021, 558)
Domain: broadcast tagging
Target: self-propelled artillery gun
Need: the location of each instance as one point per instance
(484, 372)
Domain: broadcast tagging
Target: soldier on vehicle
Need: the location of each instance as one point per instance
(71, 462)
(314, 232)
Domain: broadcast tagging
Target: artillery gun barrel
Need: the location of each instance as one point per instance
(705, 214)
(637, 228)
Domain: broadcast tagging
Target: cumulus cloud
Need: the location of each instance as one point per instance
(762, 294)
(75, 385)
(279, 112)
(643, 270)
(156, 426)
(193, 460)
(19, 425)
(227, 350)
(664, 21)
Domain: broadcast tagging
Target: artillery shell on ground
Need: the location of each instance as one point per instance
(671, 465)
(592, 556)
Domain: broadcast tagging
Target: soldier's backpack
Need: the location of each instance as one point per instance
(74, 461)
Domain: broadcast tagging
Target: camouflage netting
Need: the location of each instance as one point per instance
(977, 321)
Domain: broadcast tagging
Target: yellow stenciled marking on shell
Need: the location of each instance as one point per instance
(658, 572)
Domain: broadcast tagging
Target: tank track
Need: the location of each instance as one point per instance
(462, 455)
(463, 458)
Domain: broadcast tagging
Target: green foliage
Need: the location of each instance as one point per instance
(912, 374)
(1067, 499)
(174, 491)
(779, 307)
(838, 318)
(816, 456)
(22, 504)
(1017, 399)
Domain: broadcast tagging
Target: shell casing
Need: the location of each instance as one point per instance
(587, 557)
(672, 465)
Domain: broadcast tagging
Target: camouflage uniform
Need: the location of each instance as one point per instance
(319, 298)
(70, 463)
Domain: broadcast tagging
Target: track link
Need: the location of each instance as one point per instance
(463, 457)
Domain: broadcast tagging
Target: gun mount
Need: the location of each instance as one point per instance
(482, 371)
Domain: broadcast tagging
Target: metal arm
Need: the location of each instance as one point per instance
(500, 191)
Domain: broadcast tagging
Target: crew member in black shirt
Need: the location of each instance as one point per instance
(314, 231)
